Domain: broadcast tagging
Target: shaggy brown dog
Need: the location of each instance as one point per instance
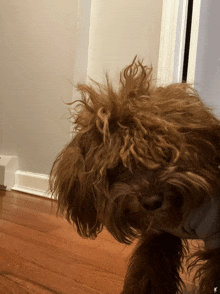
(144, 163)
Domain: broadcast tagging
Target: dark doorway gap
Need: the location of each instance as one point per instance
(187, 41)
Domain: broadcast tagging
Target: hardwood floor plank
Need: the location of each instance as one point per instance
(29, 201)
(58, 275)
(54, 247)
(52, 260)
(17, 285)
(58, 263)
(42, 253)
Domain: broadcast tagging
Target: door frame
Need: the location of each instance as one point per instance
(172, 41)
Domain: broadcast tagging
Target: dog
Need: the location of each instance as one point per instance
(144, 164)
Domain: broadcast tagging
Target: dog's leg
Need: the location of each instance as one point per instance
(208, 274)
(154, 266)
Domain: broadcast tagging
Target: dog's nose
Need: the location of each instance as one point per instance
(153, 202)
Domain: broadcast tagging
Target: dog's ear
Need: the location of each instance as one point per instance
(72, 182)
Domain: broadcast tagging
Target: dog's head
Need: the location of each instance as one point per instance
(142, 157)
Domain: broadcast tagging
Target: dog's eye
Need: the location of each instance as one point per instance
(153, 202)
(177, 198)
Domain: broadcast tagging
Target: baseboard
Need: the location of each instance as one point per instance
(32, 183)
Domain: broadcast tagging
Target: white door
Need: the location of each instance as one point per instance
(207, 58)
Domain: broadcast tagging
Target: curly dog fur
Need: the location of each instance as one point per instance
(144, 163)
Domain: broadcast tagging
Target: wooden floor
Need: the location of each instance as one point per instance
(41, 253)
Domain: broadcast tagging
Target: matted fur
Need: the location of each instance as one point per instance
(131, 140)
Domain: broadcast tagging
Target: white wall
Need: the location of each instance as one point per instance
(42, 53)
(37, 53)
(121, 29)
